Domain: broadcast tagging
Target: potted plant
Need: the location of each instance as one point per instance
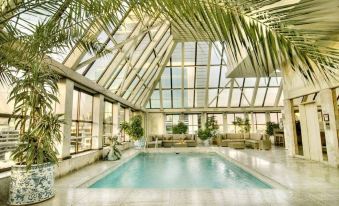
(114, 152)
(34, 96)
(134, 130)
(210, 130)
(180, 128)
(270, 126)
(243, 124)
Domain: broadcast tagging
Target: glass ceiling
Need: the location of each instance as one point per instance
(195, 77)
(145, 66)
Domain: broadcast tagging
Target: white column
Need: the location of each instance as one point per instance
(98, 121)
(203, 119)
(116, 118)
(329, 106)
(291, 143)
(225, 122)
(64, 107)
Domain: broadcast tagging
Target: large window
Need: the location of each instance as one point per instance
(108, 123)
(82, 121)
(8, 141)
(230, 119)
(275, 117)
(219, 118)
(122, 118)
(193, 121)
(259, 122)
(171, 120)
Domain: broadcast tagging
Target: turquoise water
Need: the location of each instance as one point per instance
(184, 170)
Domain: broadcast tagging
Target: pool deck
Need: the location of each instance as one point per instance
(299, 182)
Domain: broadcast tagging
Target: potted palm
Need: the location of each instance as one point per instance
(34, 95)
(180, 128)
(270, 127)
(134, 130)
(210, 130)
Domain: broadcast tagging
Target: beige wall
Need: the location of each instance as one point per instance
(156, 123)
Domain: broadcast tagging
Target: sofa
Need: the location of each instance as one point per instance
(170, 140)
(248, 139)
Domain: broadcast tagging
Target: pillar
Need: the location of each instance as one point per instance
(128, 116)
(203, 120)
(225, 122)
(329, 106)
(116, 120)
(64, 107)
(98, 121)
(291, 143)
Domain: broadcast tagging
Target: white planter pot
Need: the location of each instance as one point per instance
(31, 186)
(139, 144)
(206, 142)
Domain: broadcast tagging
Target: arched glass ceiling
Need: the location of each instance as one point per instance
(195, 77)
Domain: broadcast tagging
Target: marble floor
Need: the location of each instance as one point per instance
(298, 182)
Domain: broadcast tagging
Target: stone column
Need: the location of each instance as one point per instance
(64, 107)
(225, 122)
(98, 121)
(203, 119)
(329, 106)
(116, 120)
(290, 134)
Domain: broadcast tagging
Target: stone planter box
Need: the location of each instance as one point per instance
(31, 186)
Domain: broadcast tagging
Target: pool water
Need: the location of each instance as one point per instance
(184, 170)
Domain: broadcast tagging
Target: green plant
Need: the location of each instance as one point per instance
(180, 128)
(34, 96)
(134, 128)
(270, 126)
(274, 35)
(210, 130)
(243, 124)
(114, 153)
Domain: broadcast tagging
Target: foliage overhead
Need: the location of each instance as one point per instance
(275, 34)
(180, 128)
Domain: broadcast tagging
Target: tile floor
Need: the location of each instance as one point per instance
(301, 182)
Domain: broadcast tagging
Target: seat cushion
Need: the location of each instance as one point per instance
(234, 136)
(255, 136)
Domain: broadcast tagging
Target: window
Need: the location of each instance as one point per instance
(171, 120)
(230, 119)
(82, 121)
(219, 118)
(193, 121)
(122, 116)
(275, 117)
(9, 138)
(108, 123)
(259, 122)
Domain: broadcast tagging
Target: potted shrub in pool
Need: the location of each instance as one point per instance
(210, 130)
(34, 95)
(134, 130)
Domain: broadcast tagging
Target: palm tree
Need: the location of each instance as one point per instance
(32, 29)
(273, 33)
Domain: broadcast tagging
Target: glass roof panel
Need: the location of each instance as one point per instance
(223, 98)
(189, 48)
(216, 53)
(189, 76)
(271, 96)
(214, 76)
(236, 94)
(188, 98)
(176, 59)
(259, 99)
(177, 98)
(176, 77)
(212, 97)
(202, 53)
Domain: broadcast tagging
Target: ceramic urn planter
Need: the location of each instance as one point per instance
(31, 186)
